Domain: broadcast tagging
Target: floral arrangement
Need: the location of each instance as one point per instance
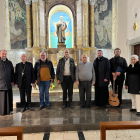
(52, 85)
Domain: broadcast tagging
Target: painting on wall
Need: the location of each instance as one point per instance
(18, 30)
(103, 24)
(68, 32)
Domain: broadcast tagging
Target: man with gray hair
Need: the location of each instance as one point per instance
(24, 80)
(66, 76)
(44, 75)
(6, 82)
(85, 78)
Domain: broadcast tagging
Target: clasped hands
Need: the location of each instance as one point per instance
(115, 74)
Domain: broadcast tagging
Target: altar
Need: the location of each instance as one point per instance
(77, 34)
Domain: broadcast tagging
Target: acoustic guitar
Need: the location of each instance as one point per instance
(113, 98)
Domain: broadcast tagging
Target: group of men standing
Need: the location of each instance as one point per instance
(85, 75)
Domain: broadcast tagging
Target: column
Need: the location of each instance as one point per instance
(2, 26)
(85, 24)
(92, 25)
(42, 26)
(28, 14)
(35, 23)
(79, 25)
(5, 26)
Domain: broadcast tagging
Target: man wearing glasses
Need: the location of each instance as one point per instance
(44, 75)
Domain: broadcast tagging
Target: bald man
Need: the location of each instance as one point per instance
(24, 79)
(66, 76)
(6, 82)
(85, 78)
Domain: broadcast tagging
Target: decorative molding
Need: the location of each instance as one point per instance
(7, 25)
(92, 2)
(34, 0)
(28, 2)
(114, 23)
(85, 1)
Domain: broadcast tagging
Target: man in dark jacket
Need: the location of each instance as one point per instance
(102, 73)
(6, 82)
(118, 62)
(44, 75)
(24, 79)
(66, 76)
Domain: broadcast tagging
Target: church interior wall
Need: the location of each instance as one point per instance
(2, 25)
(14, 55)
(132, 9)
(125, 21)
(122, 28)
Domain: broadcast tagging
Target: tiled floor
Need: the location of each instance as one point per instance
(87, 135)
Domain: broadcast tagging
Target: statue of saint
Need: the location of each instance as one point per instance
(61, 27)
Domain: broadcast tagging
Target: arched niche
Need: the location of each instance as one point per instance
(53, 17)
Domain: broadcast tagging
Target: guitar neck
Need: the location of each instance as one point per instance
(113, 86)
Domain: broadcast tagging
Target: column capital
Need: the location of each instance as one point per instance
(85, 1)
(92, 2)
(34, 0)
(28, 2)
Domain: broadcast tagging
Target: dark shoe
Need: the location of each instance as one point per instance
(88, 106)
(132, 109)
(41, 107)
(82, 106)
(23, 109)
(64, 106)
(11, 113)
(71, 106)
(48, 107)
(120, 106)
(102, 107)
(138, 113)
(30, 108)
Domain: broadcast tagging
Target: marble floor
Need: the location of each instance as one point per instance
(81, 135)
(56, 95)
(58, 120)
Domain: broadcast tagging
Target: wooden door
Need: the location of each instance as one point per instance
(137, 50)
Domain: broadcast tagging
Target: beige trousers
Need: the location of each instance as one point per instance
(135, 102)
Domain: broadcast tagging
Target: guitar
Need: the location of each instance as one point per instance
(113, 98)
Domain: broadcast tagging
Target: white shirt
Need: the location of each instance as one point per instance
(67, 67)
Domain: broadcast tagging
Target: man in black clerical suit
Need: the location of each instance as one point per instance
(118, 62)
(24, 79)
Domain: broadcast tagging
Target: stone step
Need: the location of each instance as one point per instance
(57, 93)
(59, 103)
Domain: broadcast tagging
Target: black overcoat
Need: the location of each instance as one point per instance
(133, 78)
(104, 71)
(29, 74)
